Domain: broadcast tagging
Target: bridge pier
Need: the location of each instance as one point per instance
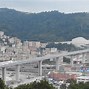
(17, 72)
(84, 58)
(40, 68)
(58, 62)
(71, 60)
(4, 74)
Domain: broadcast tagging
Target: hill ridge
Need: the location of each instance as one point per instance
(44, 26)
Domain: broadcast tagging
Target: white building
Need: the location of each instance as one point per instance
(2, 49)
(79, 41)
(1, 33)
(53, 50)
(36, 44)
(82, 79)
(11, 40)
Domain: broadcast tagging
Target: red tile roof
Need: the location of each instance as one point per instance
(61, 76)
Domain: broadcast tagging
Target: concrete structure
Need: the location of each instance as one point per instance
(35, 44)
(57, 63)
(40, 68)
(3, 65)
(4, 74)
(78, 59)
(17, 72)
(53, 50)
(82, 79)
(1, 33)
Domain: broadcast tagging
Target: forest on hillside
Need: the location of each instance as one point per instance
(45, 26)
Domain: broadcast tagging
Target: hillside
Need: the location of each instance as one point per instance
(44, 26)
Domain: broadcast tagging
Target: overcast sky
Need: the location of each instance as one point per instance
(46, 5)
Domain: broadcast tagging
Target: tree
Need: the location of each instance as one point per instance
(2, 84)
(43, 84)
(80, 85)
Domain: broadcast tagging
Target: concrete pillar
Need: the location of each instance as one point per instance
(40, 68)
(84, 58)
(4, 74)
(71, 60)
(17, 72)
(58, 62)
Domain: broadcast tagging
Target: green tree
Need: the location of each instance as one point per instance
(71, 81)
(43, 84)
(80, 85)
(2, 84)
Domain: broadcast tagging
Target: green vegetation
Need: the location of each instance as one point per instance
(63, 47)
(79, 86)
(2, 84)
(43, 84)
(74, 85)
(46, 26)
(67, 60)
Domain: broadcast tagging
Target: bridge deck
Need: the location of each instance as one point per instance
(49, 56)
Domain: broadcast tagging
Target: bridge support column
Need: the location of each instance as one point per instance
(17, 72)
(71, 60)
(58, 62)
(4, 74)
(84, 58)
(40, 68)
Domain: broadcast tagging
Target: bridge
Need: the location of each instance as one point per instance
(57, 57)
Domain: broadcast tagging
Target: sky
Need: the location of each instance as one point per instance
(66, 6)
